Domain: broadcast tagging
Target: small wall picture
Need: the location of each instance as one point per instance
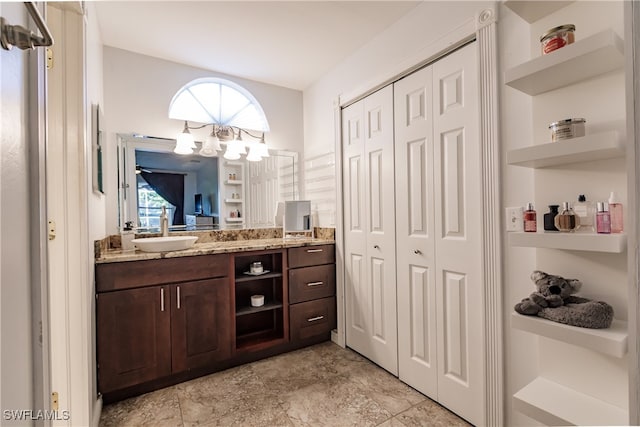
(96, 144)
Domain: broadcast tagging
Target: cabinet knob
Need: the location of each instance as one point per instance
(376, 247)
(417, 251)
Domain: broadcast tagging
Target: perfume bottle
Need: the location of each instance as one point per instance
(603, 219)
(615, 213)
(549, 217)
(530, 220)
(567, 220)
(586, 212)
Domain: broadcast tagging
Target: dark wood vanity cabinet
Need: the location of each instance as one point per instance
(147, 329)
(312, 289)
(163, 321)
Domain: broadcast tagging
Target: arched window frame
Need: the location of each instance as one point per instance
(188, 94)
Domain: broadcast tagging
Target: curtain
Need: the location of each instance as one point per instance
(169, 186)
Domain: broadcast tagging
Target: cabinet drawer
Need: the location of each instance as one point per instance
(311, 283)
(312, 319)
(311, 255)
(135, 274)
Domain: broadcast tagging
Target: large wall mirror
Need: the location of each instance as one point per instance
(199, 192)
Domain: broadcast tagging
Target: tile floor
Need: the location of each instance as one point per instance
(322, 385)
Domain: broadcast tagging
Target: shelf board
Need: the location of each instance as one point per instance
(251, 310)
(582, 60)
(599, 146)
(555, 404)
(233, 182)
(611, 341)
(612, 243)
(235, 201)
(250, 278)
(259, 339)
(531, 11)
(234, 219)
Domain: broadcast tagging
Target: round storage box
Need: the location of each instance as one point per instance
(567, 129)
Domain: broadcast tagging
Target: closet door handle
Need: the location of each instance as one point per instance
(311, 251)
(161, 299)
(376, 247)
(417, 251)
(314, 319)
(178, 295)
(314, 283)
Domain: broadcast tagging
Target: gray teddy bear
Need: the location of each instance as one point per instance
(554, 300)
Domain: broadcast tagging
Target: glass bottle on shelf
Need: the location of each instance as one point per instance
(586, 212)
(615, 212)
(549, 224)
(567, 220)
(530, 219)
(603, 219)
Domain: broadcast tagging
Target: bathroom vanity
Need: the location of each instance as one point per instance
(163, 318)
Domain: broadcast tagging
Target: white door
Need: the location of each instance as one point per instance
(415, 232)
(438, 193)
(370, 280)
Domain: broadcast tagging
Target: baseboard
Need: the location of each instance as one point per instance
(97, 411)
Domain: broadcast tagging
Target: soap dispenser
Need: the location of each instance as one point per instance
(126, 236)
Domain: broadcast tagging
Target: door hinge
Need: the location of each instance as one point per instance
(49, 58)
(52, 229)
(54, 401)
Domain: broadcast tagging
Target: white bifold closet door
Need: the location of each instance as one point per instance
(439, 246)
(370, 250)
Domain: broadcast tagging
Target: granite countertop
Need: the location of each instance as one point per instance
(209, 248)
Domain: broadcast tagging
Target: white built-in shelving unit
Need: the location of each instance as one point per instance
(582, 60)
(544, 400)
(592, 242)
(598, 146)
(557, 405)
(611, 341)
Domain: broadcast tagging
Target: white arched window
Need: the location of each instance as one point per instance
(218, 101)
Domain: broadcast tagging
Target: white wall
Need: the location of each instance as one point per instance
(16, 388)
(138, 90)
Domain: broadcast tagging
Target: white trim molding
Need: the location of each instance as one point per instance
(632, 226)
(492, 252)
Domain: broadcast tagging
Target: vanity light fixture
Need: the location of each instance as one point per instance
(235, 145)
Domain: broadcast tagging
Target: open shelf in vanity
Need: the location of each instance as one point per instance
(265, 325)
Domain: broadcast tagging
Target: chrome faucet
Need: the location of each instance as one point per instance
(164, 222)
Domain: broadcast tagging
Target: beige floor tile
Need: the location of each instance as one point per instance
(159, 408)
(430, 414)
(336, 403)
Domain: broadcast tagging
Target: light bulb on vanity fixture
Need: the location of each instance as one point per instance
(211, 144)
(184, 141)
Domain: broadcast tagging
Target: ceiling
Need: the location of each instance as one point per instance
(285, 43)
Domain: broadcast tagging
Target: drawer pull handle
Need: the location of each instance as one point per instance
(311, 251)
(314, 319)
(178, 295)
(161, 299)
(314, 283)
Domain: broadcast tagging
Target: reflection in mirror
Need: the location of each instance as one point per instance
(297, 215)
(200, 192)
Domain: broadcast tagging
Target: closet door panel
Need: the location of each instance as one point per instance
(357, 295)
(417, 341)
(458, 225)
(380, 221)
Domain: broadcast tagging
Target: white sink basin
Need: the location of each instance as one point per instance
(164, 244)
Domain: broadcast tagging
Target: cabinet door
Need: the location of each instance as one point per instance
(200, 323)
(133, 337)
(370, 285)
